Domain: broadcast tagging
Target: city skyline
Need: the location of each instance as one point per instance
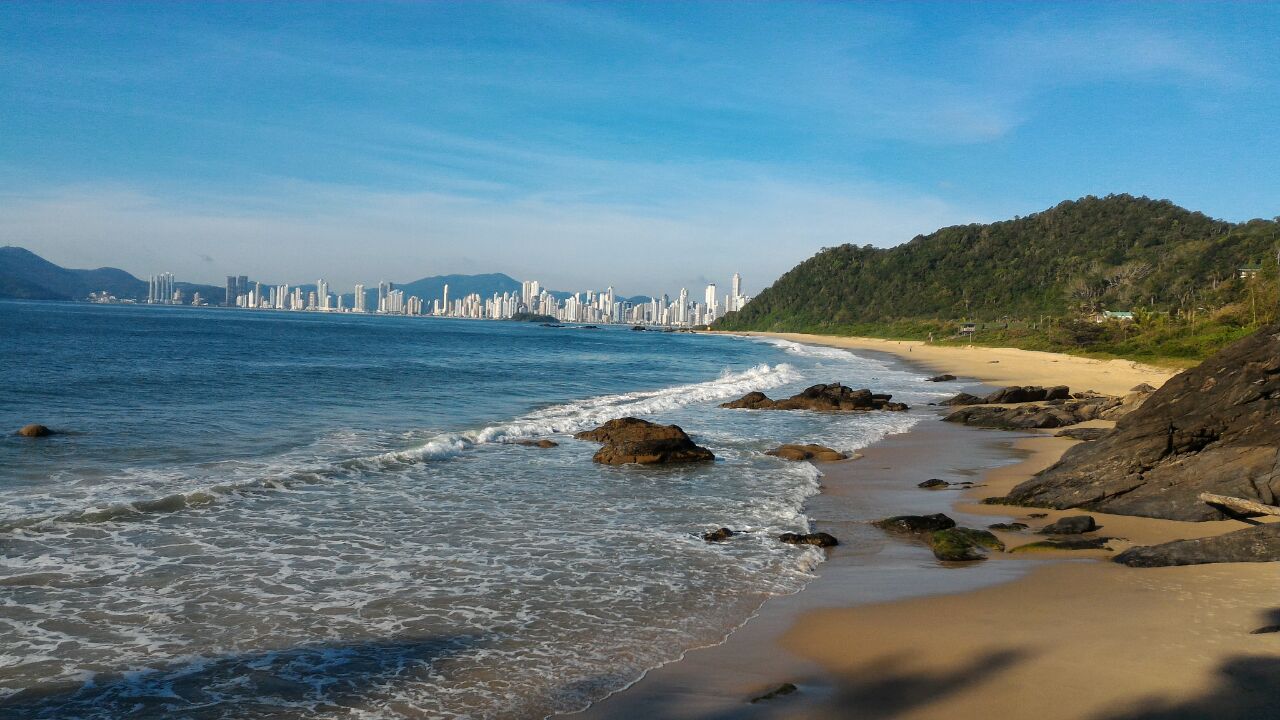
(587, 306)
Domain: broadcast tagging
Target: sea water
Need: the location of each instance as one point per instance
(306, 515)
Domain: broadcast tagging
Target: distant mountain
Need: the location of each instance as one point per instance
(1117, 253)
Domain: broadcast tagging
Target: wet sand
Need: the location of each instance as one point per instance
(885, 631)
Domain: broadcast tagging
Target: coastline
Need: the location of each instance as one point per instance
(886, 631)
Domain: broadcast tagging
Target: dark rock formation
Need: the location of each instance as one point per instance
(632, 440)
(783, 689)
(1070, 525)
(821, 453)
(1142, 388)
(1088, 434)
(1067, 543)
(1265, 629)
(723, 533)
(821, 398)
(1028, 393)
(1260, 543)
(1025, 417)
(934, 484)
(33, 431)
(942, 378)
(820, 539)
(1214, 428)
(963, 398)
(915, 524)
(959, 544)
(638, 328)
(1009, 527)
(538, 443)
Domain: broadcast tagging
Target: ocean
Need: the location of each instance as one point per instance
(302, 515)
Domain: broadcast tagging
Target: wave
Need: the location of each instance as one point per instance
(559, 419)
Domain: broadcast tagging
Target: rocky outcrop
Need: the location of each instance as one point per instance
(34, 431)
(820, 539)
(1070, 525)
(1260, 543)
(632, 440)
(820, 453)
(963, 398)
(933, 484)
(718, 535)
(1085, 434)
(1214, 428)
(1013, 394)
(833, 397)
(941, 378)
(1026, 417)
(1067, 543)
(915, 524)
(1008, 527)
(538, 443)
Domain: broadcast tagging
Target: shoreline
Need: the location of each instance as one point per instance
(1027, 633)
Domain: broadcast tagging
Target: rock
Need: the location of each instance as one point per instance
(942, 378)
(632, 440)
(915, 524)
(1009, 527)
(820, 539)
(638, 328)
(961, 544)
(783, 689)
(1260, 543)
(1068, 543)
(1012, 418)
(1213, 429)
(1027, 393)
(1088, 434)
(538, 443)
(1142, 388)
(1265, 629)
(821, 398)
(798, 453)
(723, 533)
(963, 399)
(1038, 515)
(934, 483)
(1071, 525)
(34, 431)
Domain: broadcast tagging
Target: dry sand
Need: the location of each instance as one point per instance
(1057, 635)
(1002, 366)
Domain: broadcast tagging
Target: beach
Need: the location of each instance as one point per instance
(887, 631)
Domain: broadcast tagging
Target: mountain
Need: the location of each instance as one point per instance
(25, 275)
(1117, 253)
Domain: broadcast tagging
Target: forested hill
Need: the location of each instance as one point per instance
(1116, 253)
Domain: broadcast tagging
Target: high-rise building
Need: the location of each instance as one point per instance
(359, 298)
(231, 291)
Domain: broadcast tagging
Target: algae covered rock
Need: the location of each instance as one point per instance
(915, 524)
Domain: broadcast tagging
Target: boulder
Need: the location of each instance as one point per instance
(538, 443)
(832, 397)
(1009, 527)
(1212, 429)
(963, 398)
(942, 378)
(1142, 388)
(933, 484)
(1067, 543)
(821, 453)
(915, 524)
(1022, 417)
(1027, 393)
(820, 539)
(963, 544)
(34, 431)
(1070, 525)
(1260, 543)
(632, 440)
(723, 533)
(1086, 434)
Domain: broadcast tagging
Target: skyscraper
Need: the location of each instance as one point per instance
(359, 299)
(231, 291)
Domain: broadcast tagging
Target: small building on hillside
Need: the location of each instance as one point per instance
(1249, 273)
(1113, 316)
(968, 328)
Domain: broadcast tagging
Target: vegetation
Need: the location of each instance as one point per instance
(1040, 282)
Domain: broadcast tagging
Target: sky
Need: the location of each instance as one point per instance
(646, 146)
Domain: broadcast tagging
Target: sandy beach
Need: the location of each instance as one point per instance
(887, 631)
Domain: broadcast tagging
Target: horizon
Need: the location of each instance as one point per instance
(650, 147)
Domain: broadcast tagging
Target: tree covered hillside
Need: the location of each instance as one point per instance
(1117, 253)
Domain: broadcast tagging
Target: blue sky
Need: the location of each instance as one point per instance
(644, 145)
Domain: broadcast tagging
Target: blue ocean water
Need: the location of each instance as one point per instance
(300, 515)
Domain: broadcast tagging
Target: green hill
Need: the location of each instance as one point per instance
(1037, 281)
